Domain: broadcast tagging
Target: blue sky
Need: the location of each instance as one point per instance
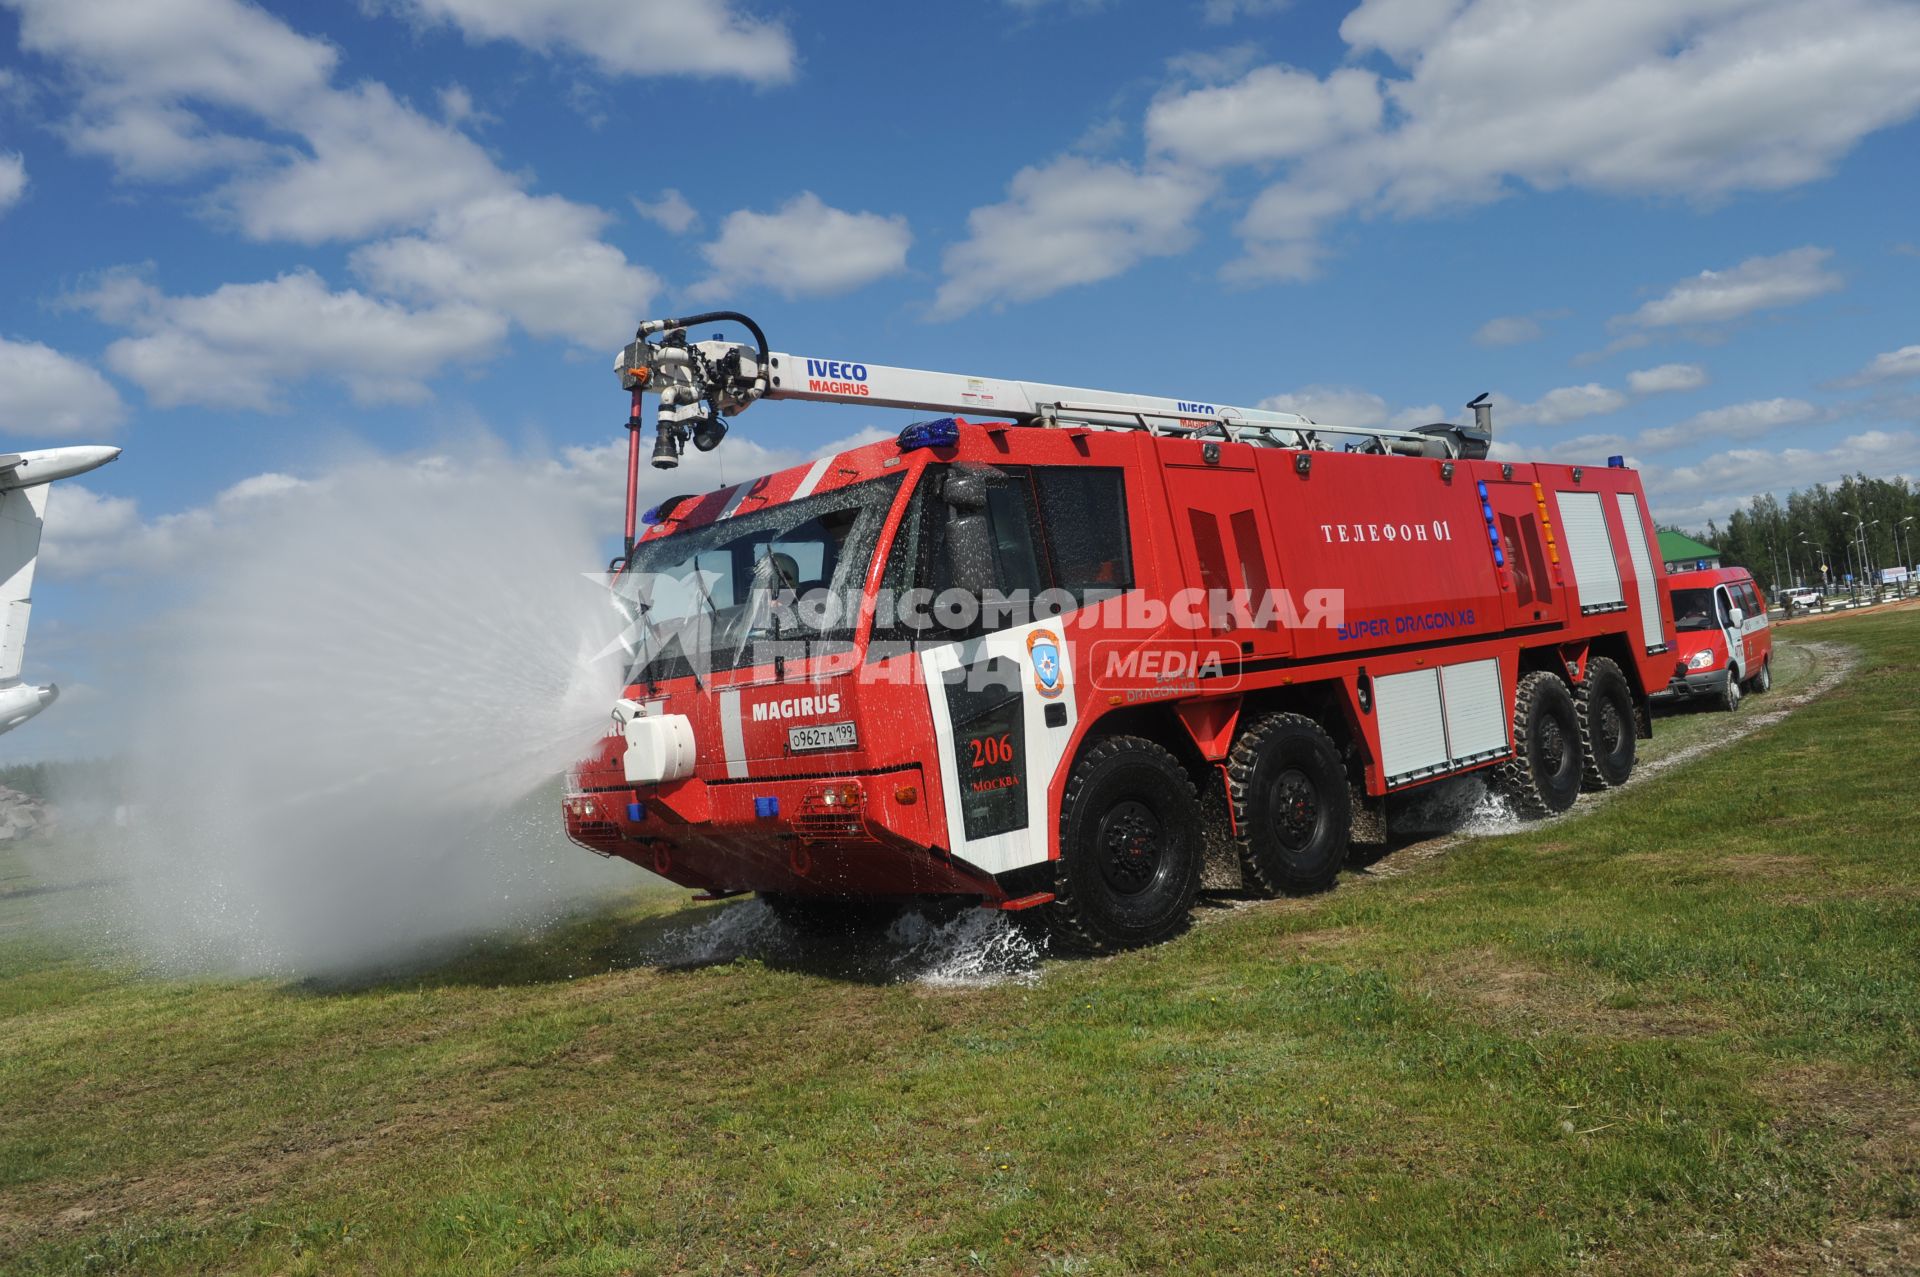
(235, 237)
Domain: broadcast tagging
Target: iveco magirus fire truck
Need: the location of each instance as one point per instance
(1091, 652)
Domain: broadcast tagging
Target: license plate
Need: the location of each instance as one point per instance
(814, 736)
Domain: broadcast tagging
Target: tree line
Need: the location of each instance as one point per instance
(1787, 543)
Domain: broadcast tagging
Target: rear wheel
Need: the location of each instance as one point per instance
(1763, 681)
(1543, 776)
(1130, 848)
(1607, 744)
(1290, 804)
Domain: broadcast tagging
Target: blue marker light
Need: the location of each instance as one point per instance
(942, 432)
(1617, 463)
(1482, 485)
(766, 808)
(636, 812)
(1499, 557)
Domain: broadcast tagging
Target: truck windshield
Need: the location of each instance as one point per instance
(1693, 610)
(784, 580)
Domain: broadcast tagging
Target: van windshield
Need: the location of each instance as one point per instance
(1693, 610)
(785, 579)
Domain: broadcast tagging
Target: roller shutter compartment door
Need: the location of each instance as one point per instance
(1652, 623)
(1596, 574)
(1413, 729)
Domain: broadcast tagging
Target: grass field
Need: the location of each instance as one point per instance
(1679, 1032)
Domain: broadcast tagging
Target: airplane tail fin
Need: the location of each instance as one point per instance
(25, 481)
(23, 513)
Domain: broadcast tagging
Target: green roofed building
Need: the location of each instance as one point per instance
(1684, 554)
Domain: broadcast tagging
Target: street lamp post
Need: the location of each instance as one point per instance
(1866, 568)
(1903, 536)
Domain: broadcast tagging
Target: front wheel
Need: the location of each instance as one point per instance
(1130, 848)
(1543, 776)
(1730, 691)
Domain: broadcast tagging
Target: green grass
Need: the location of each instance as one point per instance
(1677, 1033)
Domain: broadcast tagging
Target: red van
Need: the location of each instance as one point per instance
(1722, 637)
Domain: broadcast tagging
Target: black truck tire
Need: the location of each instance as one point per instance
(1730, 691)
(1290, 804)
(1543, 776)
(1607, 743)
(1130, 848)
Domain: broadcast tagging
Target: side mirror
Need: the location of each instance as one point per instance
(970, 551)
(966, 487)
(1739, 616)
(969, 539)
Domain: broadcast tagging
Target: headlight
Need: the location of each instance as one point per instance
(1701, 660)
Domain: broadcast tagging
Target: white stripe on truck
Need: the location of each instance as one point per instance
(732, 740)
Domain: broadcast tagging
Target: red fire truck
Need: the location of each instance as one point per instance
(1095, 652)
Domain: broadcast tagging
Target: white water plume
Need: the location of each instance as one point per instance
(945, 947)
(344, 746)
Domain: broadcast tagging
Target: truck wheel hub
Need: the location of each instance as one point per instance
(1130, 838)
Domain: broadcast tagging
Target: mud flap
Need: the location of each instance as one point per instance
(1369, 818)
(1219, 855)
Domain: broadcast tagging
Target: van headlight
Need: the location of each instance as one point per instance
(1701, 660)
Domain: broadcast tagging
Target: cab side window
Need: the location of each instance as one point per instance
(1052, 528)
(1084, 512)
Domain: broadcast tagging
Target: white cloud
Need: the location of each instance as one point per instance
(1215, 66)
(1068, 222)
(1715, 485)
(1559, 406)
(1418, 415)
(1697, 98)
(1221, 12)
(803, 249)
(1332, 406)
(537, 259)
(1758, 283)
(1894, 365)
(1273, 113)
(133, 61)
(13, 179)
(260, 487)
(1570, 403)
(630, 37)
(43, 392)
(241, 345)
(670, 212)
(1509, 330)
(1667, 379)
(376, 163)
(216, 50)
(1751, 420)
(466, 235)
